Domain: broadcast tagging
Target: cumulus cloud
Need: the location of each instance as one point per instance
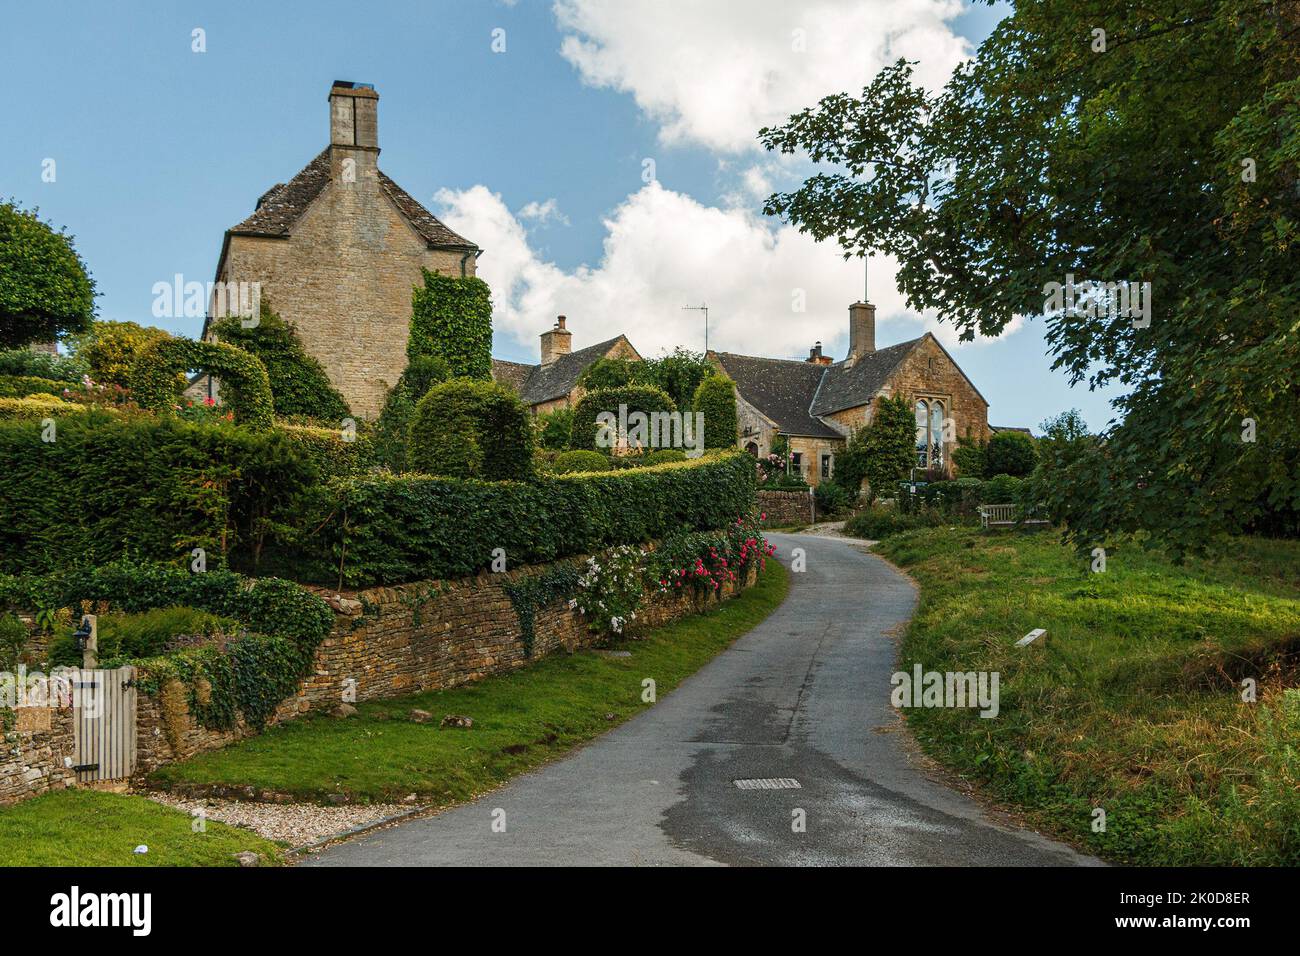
(714, 73)
(770, 290)
(543, 212)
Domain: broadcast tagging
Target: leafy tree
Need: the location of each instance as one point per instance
(1163, 152)
(452, 319)
(1010, 453)
(679, 374)
(637, 398)
(109, 349)
(613, 373)
(45, 290)
(554, 428)
(882, 451)
(715, 399)
(299, 385)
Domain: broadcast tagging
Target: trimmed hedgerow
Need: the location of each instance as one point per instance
(637, 398)
(245, 387)
(248, 678)
(664, 456)
(299, 385)
(110, 486)
(467, 428)
(452, 319)
(20, 386)
(35, 406)
(716, 400)
(391, 528)
(580, 460)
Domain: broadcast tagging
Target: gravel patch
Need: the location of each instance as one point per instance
(296, 824)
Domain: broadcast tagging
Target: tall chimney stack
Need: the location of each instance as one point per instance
(354, 131)
(862, 330)
(556, 342)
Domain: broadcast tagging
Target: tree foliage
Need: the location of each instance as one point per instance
(46, 292)
(107, 350)
(678, 374)
(882, 451)
(715, 399)
(1010, 453)
(452, 319)
(1165, 153)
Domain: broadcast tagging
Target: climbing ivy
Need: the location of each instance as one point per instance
(452, 319)
(245, 386)
(530, 592)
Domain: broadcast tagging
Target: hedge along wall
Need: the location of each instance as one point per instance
(111, 485)
(246, 388)
(390, 529)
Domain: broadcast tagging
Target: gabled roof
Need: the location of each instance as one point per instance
(544, 383)
(283, 204)
(782, 389)
(847, 386)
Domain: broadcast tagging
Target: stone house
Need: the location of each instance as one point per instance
(553, 383)
(816, 403)
(337, 251)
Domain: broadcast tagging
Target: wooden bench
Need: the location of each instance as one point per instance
(1004, 516)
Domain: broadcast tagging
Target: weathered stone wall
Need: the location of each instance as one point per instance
(37, 753)
(396, 641)
(784, 508)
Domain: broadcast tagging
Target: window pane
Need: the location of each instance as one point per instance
(922, 436)
(936, 433)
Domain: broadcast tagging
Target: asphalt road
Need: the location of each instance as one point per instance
(805, 695)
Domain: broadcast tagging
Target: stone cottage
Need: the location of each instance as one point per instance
(338, 249)
(553, 383)
(816, 403)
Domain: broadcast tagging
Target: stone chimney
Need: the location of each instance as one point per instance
(862, 331)
(815, 356)
(556, 342)
(354, 131)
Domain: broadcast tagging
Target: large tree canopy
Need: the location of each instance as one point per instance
(1112, 142)
(45, 289)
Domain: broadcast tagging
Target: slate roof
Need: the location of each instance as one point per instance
(284, 203)
(782, 389)
(545, 383)
(1011, 428)
(849, 386)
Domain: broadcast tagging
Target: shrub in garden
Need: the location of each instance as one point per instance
(299, 385)
(112, 485)
(663, 456)
(636, 398)
(715, 399)
(832, 499)
(390, 438)
(108, 350)
(20, 386)
(580, 460)
(465, 428)
(393, 528)
(143, 634)
(245, 387)
(58, 368)
(703, 561)
(1001, 490)
(880, 452)
(554, 429)
(968, 456)
(46, 291)
(1010, 453)
(35, 406)
(452, 320)
(877, 523)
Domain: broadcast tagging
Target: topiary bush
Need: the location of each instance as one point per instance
(1001, 490)
(663, 456)
(452, 319)
(715, 399)
(390, 437)
(245, 386)
(46, 291)
(465, 428)
(554, 429)
(637, 398)
(580, 460)
(299, 385)
(1010, 453)
(109, 350)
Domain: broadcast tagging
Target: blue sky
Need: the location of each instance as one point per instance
(538, 153)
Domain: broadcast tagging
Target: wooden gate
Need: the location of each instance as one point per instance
(103, 713)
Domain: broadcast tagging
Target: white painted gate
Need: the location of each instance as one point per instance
(103, 713)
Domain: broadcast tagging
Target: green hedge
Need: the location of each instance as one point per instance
(716, 400)
(466, 428)
(389, 528)
(59, 368)
(245, 387)
(637, 398)
(248, 678)
(36, 407)
(20, 386)
(299, 385)
(111, 486)
(568, 462)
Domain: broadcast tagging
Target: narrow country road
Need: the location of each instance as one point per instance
(805, 696)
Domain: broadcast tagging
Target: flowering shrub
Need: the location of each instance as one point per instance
(610, 588)
(204, 411)
(705, 561)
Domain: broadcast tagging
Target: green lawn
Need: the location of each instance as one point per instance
(1133, 705)
(92, 828)
(521, 719)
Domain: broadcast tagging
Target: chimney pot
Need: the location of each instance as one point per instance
(559, 321)
(862, 331)
(556, 342)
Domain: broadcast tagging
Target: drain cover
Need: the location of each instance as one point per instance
(768, 783)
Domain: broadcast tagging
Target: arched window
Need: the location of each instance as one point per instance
(929, 433)
(752, 448)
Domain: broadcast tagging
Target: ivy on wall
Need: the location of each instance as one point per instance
(452, 319)
(531, 592)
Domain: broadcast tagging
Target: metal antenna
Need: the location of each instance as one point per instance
(705, 309)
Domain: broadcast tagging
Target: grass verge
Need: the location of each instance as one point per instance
(1134, 703)
(92, 828)
(521, 719)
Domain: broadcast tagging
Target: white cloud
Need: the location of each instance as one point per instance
(543, 212)
(714, 73)
(663, 250)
